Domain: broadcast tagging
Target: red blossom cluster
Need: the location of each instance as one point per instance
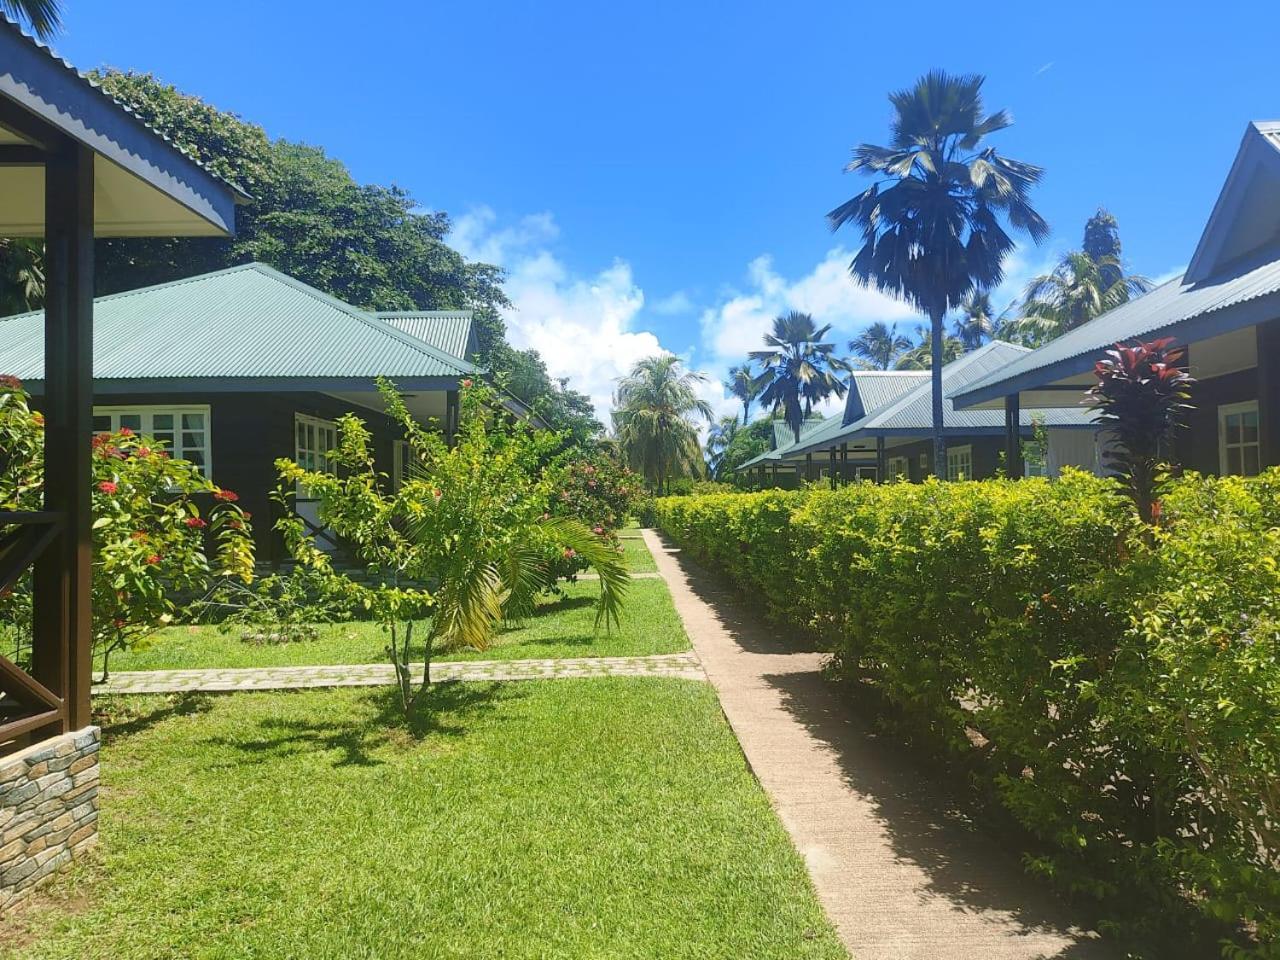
(195, 523)
(228, 496)
(107, 486)
(9, 382)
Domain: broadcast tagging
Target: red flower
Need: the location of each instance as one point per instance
(597, 530)
(144, 451)
(226, 495)
(195, 523)
(106, 486)
(437, 494)
(9, 382)
(138, 535)
(126, 432)
(153, 559)
(246, 514)
(569, 552)
(467, 382)
(119, 623)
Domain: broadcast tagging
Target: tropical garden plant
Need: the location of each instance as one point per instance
(931, 223)
(44, 17)
(161, 529)
(463, 544)
(1078, 289)
(719, 439)
(1141, 392)
(742, 385)
(655, 418)
(920, 355)
(798, 369)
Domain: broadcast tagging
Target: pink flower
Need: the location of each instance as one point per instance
(569, 553)
(467, 382)
(597, 530)
(436, 493)
(106, 486)
(153, 559)
(195, 523)
(144, 451)
(9, 382)
(126, 432)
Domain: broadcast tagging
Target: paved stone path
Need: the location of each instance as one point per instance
(900, 872)
(681, 665)
(635, 575)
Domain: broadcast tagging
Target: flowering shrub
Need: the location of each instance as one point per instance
(597, 491)
(151, 540)
(1123, 680)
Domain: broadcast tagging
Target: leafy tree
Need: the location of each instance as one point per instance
(719, 439)
(656, 407)
(21, 276)
(920, 356)
(1102, 244)
(799, 369)
(1072, 294)
(742, 384)
(977, 322)
(931, 223)
(471, 521)
(879, 346)
(746, 443)
(44, 17)
(1141, 392)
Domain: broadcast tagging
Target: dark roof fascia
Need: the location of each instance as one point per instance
(52, 90)
(255, 385)
(1226, 320)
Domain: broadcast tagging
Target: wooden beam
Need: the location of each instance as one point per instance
(1012, 438)
(1268, 337)
(61, 654)
(16, 728)
(21, 155)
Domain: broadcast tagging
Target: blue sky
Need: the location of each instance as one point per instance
(655, 175)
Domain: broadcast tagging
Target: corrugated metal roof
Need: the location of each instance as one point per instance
(247, 321)
(869, 390)
(1156, 312)
(912, 412)
(447, 330)
(784, 437)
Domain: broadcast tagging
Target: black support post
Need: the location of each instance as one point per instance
(833, 468)
(1012, 437)
(880, 463)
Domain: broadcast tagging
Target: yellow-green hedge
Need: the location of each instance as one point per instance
(1125, 683)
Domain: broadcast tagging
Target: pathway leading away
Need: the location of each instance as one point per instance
(900, 872)
(680, 665)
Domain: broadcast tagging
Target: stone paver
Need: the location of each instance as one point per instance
(900, 872)
(680, 665)
(635, 575)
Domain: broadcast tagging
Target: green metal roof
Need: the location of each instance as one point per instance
(250, 322)
(784, 437)
(449, 330)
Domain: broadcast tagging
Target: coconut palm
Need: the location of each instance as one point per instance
(43, 16)
(977, 323)
(799, 369)
(742, 384)
(656, 407)
(920, 356)
(1073, 293)
(931, 223)
(719, 437)
(879, 346)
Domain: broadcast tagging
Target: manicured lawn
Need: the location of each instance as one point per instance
(637, 555)
(563, 627)
(610, 818)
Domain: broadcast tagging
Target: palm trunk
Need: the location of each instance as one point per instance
(935, 375)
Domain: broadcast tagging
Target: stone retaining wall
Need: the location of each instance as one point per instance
(48, 810)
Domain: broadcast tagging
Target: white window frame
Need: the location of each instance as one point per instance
(897, 470)
(321, 463)
(1226, 410)
(146, 415)
(924, 464)
(964, 451)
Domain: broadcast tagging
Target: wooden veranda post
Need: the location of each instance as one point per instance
(62, 656)
(844, 464)
(1012, 437)
(833, 469)
(880, 463)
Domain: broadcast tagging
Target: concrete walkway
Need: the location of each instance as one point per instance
(900, 872)
(680, 665)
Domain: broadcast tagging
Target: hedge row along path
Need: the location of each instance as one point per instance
(680, 665)
(901, 874)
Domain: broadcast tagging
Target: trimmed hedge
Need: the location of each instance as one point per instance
(1115, 688)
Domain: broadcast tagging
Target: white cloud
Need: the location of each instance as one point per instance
(674, 305)
(736, 325)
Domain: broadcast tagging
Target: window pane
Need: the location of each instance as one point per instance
(1249, 430)
(101, 423)
(195, 456)
(1233, 428)
(190, 440)
(1234, 460)
(193, 421)
(162, 421)
(131, 420)
(1251, 467)
(165, 438)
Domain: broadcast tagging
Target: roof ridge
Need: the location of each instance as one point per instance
(406, 314)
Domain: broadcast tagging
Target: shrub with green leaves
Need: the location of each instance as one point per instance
(1113, 687)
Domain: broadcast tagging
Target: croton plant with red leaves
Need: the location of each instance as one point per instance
(1142, 390)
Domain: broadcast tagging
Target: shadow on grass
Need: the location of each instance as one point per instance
(376, 720)
(124, 717)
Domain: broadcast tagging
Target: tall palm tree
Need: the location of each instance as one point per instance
(799, 369)
(977, 323)
(1078, 289)
(920, 356)
(742, 384)
(719, 437)
(655, 411)
(879, 346)
(931, 223)
(43, 16)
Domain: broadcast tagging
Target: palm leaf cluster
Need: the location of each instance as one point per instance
(44, 17)
(656, 417)
(798, 370)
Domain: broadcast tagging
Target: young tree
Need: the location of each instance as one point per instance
(931, 223)
(1141, 391)
(742, 384)
(656, 409)
(799, 369)
(719, 439)
(879, 346)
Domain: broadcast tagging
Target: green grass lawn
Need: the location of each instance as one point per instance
(562, 627)
(637, 555)
(610, 818)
